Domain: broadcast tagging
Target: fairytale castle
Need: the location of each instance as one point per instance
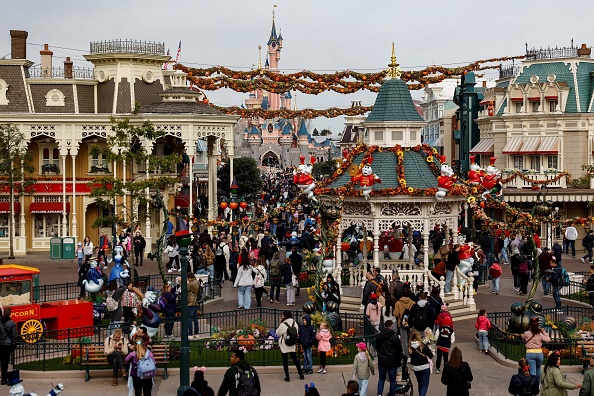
(276, 142)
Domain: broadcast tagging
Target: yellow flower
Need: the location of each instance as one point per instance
(430, 159)
(434, 151)
(380, 149)
(402, 182)
(411, 190)
(407, 149)
(339, 171)
(471, 199)
(474, 190)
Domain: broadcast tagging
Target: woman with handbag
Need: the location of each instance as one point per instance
(288, 279)
(244, 283)
(457, 375)
(533, 339)
(420, 361)
(554, 382)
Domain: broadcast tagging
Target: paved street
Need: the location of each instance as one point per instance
(491, 378)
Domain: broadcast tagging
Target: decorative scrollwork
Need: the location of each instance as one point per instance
(400, 209)
(356, 208)
(442, 208)
(444, 221)
(387, 225)
(349, 221)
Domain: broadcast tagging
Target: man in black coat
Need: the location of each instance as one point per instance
(389, 356)
(422, 314)
(296, 263)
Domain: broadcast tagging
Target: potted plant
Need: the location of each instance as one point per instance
(49, 168)
(79, 346)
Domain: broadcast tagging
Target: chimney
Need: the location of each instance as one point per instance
(584, 52)
(46, 61)
(67, 68)
(18, 44)
(484, 83)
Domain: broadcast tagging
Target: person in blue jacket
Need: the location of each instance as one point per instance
(307, 336)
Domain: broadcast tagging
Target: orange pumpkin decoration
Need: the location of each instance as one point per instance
(329, 353)
(247, 340)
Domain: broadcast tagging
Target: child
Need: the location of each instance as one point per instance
(362, 368)
(374, 311)
(483, 325)
(307, 335)
(495, 271)
(445, 336)
(323, 338)
(80, 254)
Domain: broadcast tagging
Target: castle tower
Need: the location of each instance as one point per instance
(254, 141)
(274, 48)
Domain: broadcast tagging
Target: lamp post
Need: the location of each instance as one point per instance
(184, 240)
(233, 205)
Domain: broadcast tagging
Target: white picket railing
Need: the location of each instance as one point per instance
(465, 290)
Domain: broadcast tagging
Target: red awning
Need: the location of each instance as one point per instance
(48, 207)
(534, 99)
(517, 99)
(182, 200)
(555, 97)
(5, 207)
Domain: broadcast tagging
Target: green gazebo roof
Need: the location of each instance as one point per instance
(394, 103)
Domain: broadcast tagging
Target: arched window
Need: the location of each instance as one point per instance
(46, 156)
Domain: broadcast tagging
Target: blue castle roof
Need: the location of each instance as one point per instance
(303, 129)
(286, 129)
(254, 131)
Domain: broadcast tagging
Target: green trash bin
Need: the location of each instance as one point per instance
(56, 248)
(68, 248)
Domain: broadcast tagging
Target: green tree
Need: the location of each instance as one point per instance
(247, 175)
(15, 161)
(325, 132)
(125, 147)
(315, 132)
(323, 169)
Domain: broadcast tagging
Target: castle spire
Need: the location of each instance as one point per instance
(295, 101)
(273, 36)
(259, 57)
(394, 70)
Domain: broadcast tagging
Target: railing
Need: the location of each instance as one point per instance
(127, 47)
(60, 72)
(51, 352)
(508, 71)
(529, 178)
(575, 291)
(441, 282)
(552, 53)
(465, 291)
(512, 347)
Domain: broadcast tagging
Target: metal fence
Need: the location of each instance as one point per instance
(127, 47)
(58, 348)
(60, 72)
(512, 347)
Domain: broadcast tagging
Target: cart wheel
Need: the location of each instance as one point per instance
(31, 331)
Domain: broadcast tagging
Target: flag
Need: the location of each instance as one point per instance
(177, 56)
(166, 64)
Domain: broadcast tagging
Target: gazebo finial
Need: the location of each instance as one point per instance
(394, 70)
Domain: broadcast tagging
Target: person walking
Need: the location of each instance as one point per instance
(169, 309)
(142, 386)
(422, 314)
(103, 249)
(199, 384)
(451, 264)
(402, 313)
(590, 286)
(239, 377)
(116, 350)
(553, 381)
(172, 251)
(524, 383)
(324, 338)
(514, 262)
(544, 264)
(556, 276)
(420, 361)
(558, 251)
(260, 280)
(275, 278)
(445, 337)
(209, 256)
(296, 264)
(139, 246)
(244, 283)
(483, 325)
(374, 311)
(80, 254)
(533, 340)
(219, 266)
(194, 300)
(8, 334)
(457, 376)
(87, 248)
(588, 243)
(495, 271)
(307, 336)
(287, 332)
(389, 357)
(362, 368)
(287, 272)
(571, 235)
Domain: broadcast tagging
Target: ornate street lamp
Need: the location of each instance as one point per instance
(184, 239)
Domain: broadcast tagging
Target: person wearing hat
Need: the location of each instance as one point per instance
(362, 368)
(374, 311)
(444, 336)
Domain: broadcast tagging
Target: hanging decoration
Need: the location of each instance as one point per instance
(331, 112)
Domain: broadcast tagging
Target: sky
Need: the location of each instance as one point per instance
(319, 35)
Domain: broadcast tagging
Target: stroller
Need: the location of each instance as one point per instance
(404, 386)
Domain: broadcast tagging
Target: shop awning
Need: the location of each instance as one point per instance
(484, 146)
(549, 145)
(48, 207)
(513, 145)
(5, 207)
(530, 145)
(182, 200)
(438, 142)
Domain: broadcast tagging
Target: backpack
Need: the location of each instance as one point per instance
(379, 288)
(524, 268)
(111, 303)
(145, 368)
(421, 318)
(275, 270)
(162, 302)
(290, 335)
(590, 284)
(247, 383)
(564, 279)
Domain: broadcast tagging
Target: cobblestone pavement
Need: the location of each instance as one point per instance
(491, 378)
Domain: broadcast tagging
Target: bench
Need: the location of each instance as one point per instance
(584, 350)
(94, 355)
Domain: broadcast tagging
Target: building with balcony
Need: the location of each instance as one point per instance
(539, 121)
(64, 111)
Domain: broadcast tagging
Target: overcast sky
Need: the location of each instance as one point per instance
(319, 35)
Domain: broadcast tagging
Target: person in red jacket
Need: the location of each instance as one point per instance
(495, 271)
(483, 325)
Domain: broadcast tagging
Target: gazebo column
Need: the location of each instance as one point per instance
(338, 256)
(64, 220)
(376, 233)
(455, 233)
(409, 243)
(212, 178)
(426, 255)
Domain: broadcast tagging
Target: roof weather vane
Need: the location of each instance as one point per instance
(394, 70)
(273, 11)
